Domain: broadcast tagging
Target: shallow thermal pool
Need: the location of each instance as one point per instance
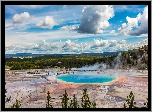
(86, 77)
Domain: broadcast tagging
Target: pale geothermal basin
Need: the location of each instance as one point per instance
(32, 93)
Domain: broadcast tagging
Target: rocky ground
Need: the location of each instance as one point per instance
(32, 92)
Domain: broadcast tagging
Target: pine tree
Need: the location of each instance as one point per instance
(16, 104)
(48, 105)
(74, 103)
(130, 101)
(86, 103)
(65, 100)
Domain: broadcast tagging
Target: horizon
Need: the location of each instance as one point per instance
(75, 29)
(67, 53)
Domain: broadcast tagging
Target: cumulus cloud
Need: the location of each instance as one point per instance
(48, 22)
(70, 28)
(122, 42)
(68, 43)
(20, 18)
(126, 28)
(69, 46)
(64, 28)
(112, 43)
(95, 18)
(142, 19)
(100, 43)
(106, 46)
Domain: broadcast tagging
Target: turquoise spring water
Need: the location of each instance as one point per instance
(86, 78)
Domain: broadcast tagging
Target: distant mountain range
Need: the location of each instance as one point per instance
(61, 55)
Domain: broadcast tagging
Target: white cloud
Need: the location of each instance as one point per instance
(48, 22)
(8, 25)
(143, 35)
(70, 46)
(32, 6)
(124, 7)
(69, 28)
(120, 8)
(95, 18)
(128, 8)
(127, 28)
(20, 18)
(64, 6)
(132, 21)
(73, 47)
(100, 43)
(112, 43)
(37, 6)
(122, 42)
(34, 37)
(9, 28)
(143, 20)
(112, 32)
(64, 28)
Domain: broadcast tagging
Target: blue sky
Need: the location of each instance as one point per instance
(53, 29)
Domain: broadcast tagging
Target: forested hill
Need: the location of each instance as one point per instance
(136, 58)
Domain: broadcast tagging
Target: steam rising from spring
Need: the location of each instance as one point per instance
(116, 64)
(94, 67)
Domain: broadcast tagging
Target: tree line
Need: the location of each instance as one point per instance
(41, 63)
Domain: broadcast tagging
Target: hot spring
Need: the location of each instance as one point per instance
(87, 78)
